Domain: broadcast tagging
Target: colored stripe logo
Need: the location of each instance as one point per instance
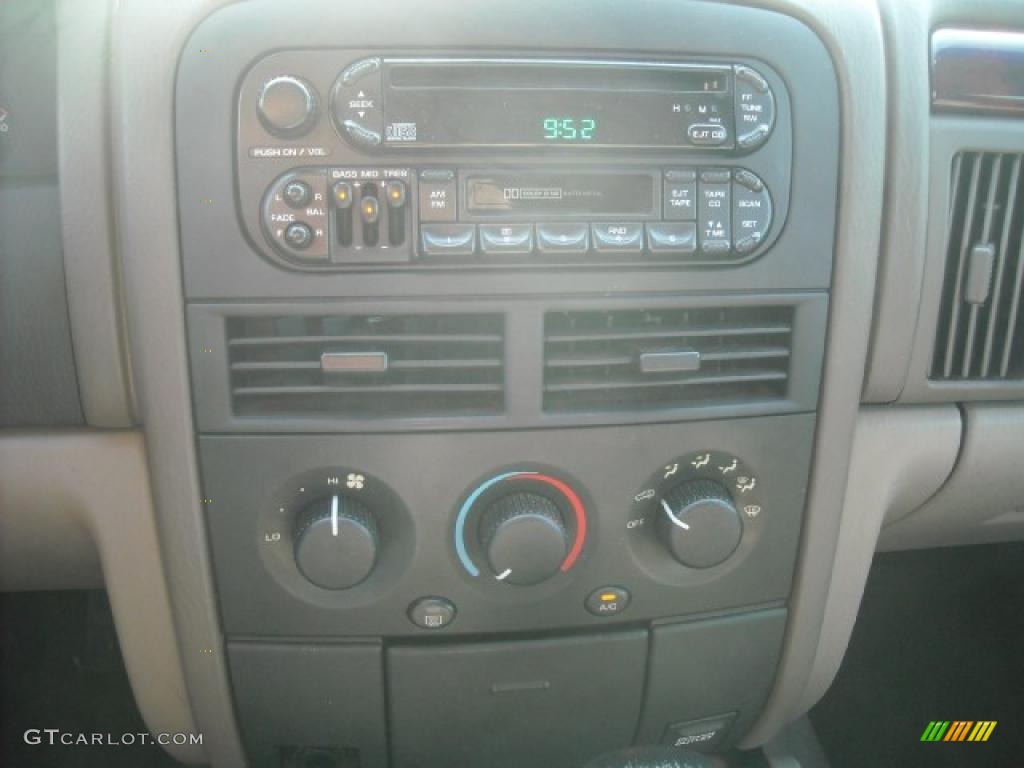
(958, 730)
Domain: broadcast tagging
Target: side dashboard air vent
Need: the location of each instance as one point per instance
(366, 366)
(649, 359)
(978, 334)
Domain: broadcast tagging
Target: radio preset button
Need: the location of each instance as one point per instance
(448, 239)
(679, 195)
(754, 108)
(620, 237)
(506, 238)
(665, 237)
(563, 238)
(437, 196)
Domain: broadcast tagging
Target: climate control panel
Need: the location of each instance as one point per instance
(404, 534)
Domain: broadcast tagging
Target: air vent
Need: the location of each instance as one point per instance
(665, 358)
(978, 334)
(366, 366)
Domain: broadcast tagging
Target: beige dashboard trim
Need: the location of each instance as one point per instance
(93, 487)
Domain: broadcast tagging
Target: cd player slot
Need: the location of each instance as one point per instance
(554, 76)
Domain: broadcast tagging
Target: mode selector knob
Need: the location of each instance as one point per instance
(699, 523)
(336, 542)
(525, 538)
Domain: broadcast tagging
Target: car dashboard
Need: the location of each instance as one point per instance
(504, 385)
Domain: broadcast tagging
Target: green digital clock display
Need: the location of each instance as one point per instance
(569, 128)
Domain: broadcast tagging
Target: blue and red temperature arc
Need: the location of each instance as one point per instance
(538, 477)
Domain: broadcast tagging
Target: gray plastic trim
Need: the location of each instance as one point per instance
(901, 266)
(72, 502)
(796, 746)
(901, 456)
(981, 502)
(91, 270)
(851, 30)
(147, 39)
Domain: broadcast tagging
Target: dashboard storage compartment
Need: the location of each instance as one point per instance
(302, 702)
(553, 702)
(715, 672)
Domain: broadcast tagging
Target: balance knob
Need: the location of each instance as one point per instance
(699, 523)
(525, 538)
(288, 106)
(336, 542)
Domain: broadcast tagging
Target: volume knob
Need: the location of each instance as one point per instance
(525, 538)
(288, 106)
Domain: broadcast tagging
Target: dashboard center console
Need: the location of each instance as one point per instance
(505, 363)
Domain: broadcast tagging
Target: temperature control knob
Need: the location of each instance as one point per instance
(699, 523)
(525, 538)
(336, 542)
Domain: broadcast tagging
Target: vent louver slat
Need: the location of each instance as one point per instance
(977, 338)
(593, 360)
(394, 366)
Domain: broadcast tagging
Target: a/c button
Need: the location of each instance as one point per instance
(607, 601)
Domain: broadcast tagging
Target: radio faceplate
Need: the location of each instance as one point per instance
(316, 194)
(402, 103)
(378, 216)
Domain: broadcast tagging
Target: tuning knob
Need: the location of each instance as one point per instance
(336, 542)
(699, 523)
(288, 106)
(524, 537)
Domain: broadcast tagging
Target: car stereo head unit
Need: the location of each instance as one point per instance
(403, 103)
(361, 159)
